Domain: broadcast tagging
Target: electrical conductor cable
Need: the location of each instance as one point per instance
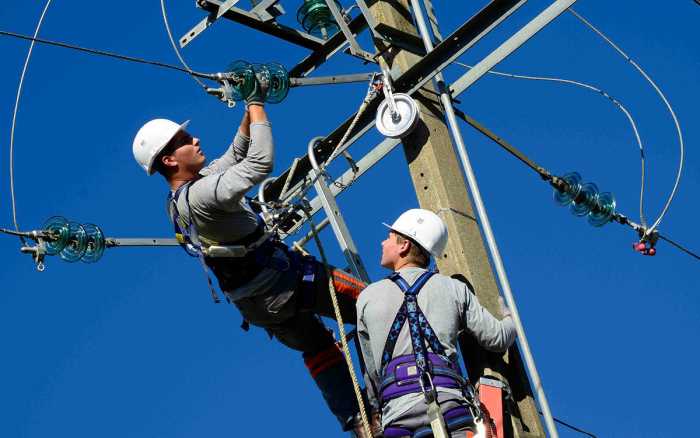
(104, 53)
(172, 41)
(650, 230)
(603, 93)
(14, 120)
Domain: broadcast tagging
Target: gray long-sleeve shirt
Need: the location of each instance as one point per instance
(448, 306)
(219, 209)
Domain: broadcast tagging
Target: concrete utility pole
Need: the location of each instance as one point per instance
(440, 187)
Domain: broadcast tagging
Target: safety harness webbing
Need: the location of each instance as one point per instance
(418, 325)
(187, 237)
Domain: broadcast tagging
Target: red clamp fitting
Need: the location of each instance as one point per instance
(644, 248)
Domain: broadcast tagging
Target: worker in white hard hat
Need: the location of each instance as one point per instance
(408, 326)
(273, 287)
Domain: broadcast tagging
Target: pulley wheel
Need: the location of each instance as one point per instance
(407, 120)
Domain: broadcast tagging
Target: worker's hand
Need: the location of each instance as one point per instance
(505, 311)
(259, 93)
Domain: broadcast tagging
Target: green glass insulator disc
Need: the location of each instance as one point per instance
(316, 18)
(603, 211)
(565, 198)
(57, 228)
(278, 85)
(244, 81)
(77, 243)
(586, 200)
(95, 243)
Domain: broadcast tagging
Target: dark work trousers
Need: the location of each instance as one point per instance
(293, 317)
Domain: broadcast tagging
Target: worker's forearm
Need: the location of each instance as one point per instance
(245, 124)
(257, 113)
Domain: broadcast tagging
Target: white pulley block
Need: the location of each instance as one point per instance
(407, 120)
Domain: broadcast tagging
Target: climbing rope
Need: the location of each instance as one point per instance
(341, 325)
(372, 92)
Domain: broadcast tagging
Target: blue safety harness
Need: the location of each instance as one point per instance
(424, 371)
(235, 272)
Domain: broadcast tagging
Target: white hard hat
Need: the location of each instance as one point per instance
(424, 227)
(152, 138)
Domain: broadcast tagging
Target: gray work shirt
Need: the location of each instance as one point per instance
(449, 307)
(220, 211)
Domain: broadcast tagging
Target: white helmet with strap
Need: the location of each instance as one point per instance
(152, 138)
(424, 227)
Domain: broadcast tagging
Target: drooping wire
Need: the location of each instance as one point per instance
(616, 102)
(668, 106)
(574, 428)
(678, 245)
(172, 41)
(14, 120)
(102, 53)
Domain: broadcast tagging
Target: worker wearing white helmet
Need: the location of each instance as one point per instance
(273, 287)
(408, 326)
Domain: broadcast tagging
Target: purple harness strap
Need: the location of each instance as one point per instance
(455, 418)
(401, 376)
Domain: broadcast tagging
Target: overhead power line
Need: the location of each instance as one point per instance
(678, 245)
(102, 53)
(656, 88)
(603, 93)
(547, 176)
(14, 119)
(574, 428)
(172, 41)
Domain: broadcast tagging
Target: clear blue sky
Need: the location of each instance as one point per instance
(133, 346)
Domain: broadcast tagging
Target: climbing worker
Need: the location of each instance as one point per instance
(408, 325)
(273, 287)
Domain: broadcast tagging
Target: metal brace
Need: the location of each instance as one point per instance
(206, 22)
(355, 48)
(262, 10)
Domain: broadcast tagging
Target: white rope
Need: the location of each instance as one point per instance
(172, 41)
(339, 148)
(617, 103)
(14, 119)
(668, 106)
(341, 327)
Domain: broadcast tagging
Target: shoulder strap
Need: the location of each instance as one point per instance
(182, 232)
(419, 328)
(187, 236)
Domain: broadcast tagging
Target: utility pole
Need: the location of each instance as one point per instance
(440, 187)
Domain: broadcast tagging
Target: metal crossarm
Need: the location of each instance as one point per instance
(409, 82)
(263, 8)
(355, 48)
(273, 28)
(206, 22)
(140, 241)
(330, 47)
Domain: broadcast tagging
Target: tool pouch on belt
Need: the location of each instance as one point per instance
(308, 271)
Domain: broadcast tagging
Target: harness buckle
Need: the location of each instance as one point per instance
(430, 393)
